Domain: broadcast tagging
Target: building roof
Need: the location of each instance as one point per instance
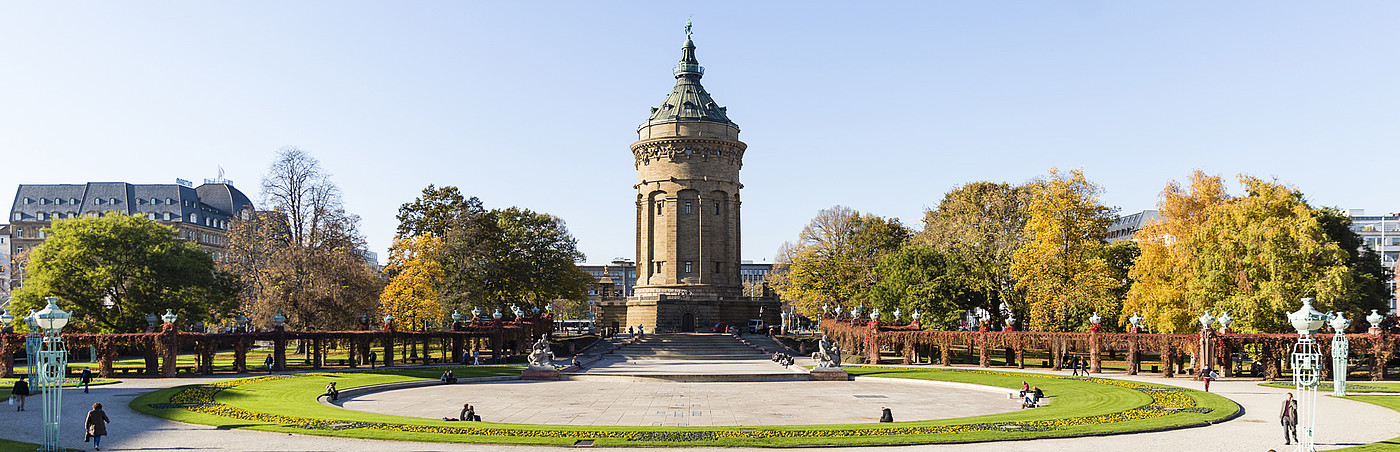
(78, 199)
(689, 101)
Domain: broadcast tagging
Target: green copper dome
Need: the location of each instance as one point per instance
(689, 101)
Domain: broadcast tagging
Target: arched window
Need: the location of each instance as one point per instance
(687, 207)
(167, 216)
(194, 218)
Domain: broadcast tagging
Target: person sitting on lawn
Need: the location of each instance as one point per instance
(331, 392)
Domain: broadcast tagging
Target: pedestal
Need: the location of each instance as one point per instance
(829, 374)
(539, 373)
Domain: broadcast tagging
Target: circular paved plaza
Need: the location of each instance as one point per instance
(620, 400)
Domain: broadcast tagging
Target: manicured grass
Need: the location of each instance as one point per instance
(1079, 407)
(16, 446)
(1393, 444)
(1352, 386)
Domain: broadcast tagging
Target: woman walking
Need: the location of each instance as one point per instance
(20, 391)
(96, 425)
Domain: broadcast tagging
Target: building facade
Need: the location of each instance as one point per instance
(200, 215)
(1382, 234)
(687, 156)
(1125, 226)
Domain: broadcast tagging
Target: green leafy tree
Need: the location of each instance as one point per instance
(920, 278)
(1061, 267)
(437, 212)
(512, 256)
(834, 259)
(111, 271)
(982, 224)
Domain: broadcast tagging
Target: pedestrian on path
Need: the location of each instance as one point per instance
(1074, 366)
(1289, 418)
(20, 391)
(885, 415)
(268, 362)
(96, 426)
(372, 358)
(85, 378)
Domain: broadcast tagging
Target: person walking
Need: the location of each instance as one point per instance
(1289, 418)
(85, 378)
(268, 362)
(20, 391)
(1205, 376)
(885, 415)
(96, 426)
(372, 358)
(1074, 366)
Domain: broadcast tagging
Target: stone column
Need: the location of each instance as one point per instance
(240, 355)
(1095, 354)
(389, 347)
(1132, 357)
(279, 349)
(7, 356)
(172, 350)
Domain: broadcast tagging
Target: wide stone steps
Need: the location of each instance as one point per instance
(689, 346)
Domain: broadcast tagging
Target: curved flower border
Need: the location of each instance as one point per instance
(1165, 402)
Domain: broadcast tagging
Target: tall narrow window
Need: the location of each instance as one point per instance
(719, 267)
(687, 207)
(660, 206)
(716, 208)
(687, 266)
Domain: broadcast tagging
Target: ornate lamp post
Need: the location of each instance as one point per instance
(856, 311)
(897, 314)
(1010, 322)
(1136, 321)
(31, 349)
(169, 317)
(1205, 348)
(1339, 355)
(825, 309)
(1307, 370)
(151, 320)
(53, 365)
(1225, 321)
(456, 318)
(497, 315)
(1094, 321)
(241, 323)
(875, 315)
(838, 312)
(476, 313)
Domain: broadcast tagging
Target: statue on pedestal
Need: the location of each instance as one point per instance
(827, 354)
(540, 354)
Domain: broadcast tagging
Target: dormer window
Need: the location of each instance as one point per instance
(114, 200)
(73, 201)
(43, 201)
(97, 201)
(27, 200)
(169, 201)
(155, 201)
(167, 216)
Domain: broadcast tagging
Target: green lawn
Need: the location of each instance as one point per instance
(1393, 444)
(1079, 407)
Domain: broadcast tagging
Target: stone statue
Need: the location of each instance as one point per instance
(827, 354)
(540, 354)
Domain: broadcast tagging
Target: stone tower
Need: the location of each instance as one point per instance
(688, 156)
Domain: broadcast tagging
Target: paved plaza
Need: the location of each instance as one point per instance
(617, 400)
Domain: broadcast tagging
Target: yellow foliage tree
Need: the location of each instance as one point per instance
(1161, 274)
(1061, 266)
(412, 293)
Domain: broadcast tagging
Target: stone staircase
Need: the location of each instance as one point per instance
(689, 346)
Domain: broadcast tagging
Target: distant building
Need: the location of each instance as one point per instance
(1125, 226)
(614, 280)
(200, 215)
(1382, 234)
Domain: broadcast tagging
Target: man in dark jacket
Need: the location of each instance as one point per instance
(885, 415)
(1289, 418)
(85, 378)
(21, 391)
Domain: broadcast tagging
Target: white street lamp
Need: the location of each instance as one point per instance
(1307, 370)
(916, 315)
(52, 367)
(1339, 354)
(456, 316)
(896, 315)
(1205, 320)
(497, 315)
(1136, 321)
(1225, 321)
(279, 319)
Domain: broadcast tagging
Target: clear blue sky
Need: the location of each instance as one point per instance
(882, 107)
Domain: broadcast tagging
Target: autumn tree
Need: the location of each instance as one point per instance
(305, 256)
(981, 225)
(111, 271)
(1165, 269)
(833, 262)
(1061, 267)
(1253, 256)
(412, 293)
